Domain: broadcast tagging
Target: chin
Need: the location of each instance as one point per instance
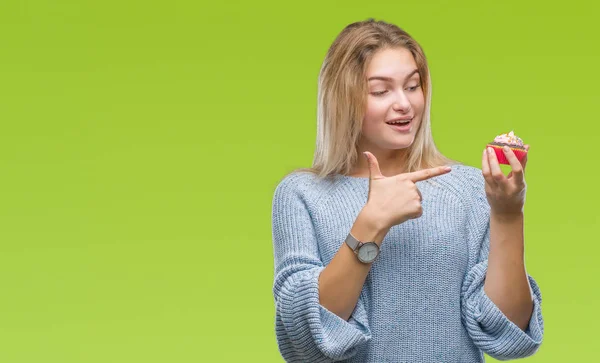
(401, 143)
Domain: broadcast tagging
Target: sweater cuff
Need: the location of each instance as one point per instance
(509, 340)
(314, 324)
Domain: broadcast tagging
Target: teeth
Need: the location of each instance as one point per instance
(398, 122)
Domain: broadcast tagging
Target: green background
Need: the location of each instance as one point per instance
(141, 143)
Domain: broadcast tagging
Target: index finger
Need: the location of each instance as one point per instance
(425, 174)
(516, 166)
(524, 160)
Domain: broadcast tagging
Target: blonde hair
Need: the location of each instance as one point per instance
(342, 99)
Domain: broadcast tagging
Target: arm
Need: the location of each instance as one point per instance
(496, 245)
(506, 282)
(342, 280)
(306, 330)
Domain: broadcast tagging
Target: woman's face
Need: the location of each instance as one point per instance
(394, 92)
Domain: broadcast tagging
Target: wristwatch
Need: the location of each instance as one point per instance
(366, 252)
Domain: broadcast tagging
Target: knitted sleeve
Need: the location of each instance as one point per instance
(306, 331)
(487, 326)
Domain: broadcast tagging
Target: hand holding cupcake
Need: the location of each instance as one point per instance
(505, 193)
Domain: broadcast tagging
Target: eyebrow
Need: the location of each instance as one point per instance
(388, 79)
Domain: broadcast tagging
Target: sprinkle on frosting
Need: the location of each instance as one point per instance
(509, 138)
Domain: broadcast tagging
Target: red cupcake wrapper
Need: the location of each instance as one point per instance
(519, 153)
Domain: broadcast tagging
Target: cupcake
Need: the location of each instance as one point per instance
(513, 142)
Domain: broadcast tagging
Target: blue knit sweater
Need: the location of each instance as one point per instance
(423, 299)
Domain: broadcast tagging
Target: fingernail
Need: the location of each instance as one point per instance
(490, 150)
(506, 149)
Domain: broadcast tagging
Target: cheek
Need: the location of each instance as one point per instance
(374, 116)
(418, 101)
(375, 112)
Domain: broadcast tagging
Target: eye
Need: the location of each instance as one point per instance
(413, 88)
(380, 93)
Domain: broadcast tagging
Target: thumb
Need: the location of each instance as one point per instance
(374, 172)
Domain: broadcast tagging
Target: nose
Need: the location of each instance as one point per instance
(402, 103)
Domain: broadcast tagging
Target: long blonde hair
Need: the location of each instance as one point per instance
(342, 98)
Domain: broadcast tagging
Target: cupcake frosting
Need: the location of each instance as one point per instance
(510, 139)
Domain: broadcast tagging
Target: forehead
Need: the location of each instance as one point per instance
(395, 63)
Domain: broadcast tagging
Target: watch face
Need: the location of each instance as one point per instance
(368, 252)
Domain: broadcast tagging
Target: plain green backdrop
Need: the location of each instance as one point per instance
(141, 143)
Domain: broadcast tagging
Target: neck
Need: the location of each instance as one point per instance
(391, 162)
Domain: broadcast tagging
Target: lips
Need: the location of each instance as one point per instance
(401, 125)
(399, 121)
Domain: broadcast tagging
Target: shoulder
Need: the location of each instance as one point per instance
(296, 181)
(305, 185)
(468, 176)
(465, 182)
(471, 184)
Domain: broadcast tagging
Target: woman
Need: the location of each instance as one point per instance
(400, 255)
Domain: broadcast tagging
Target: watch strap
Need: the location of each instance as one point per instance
(352, 242)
